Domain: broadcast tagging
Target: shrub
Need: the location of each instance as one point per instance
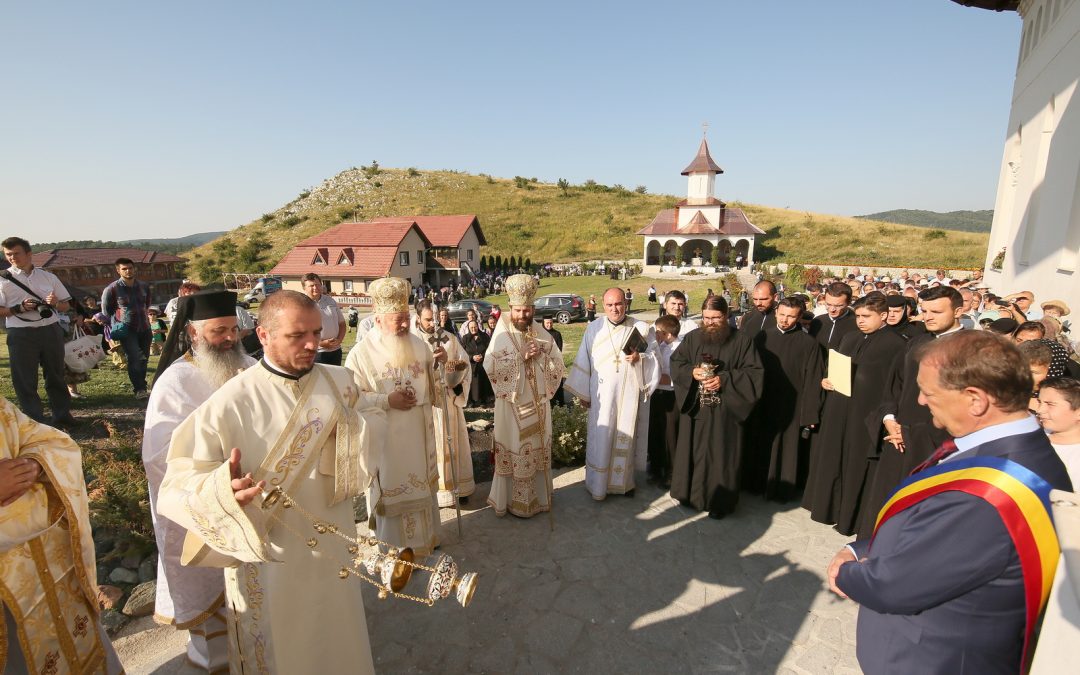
(267, 217)
(934, 234)
(117, 491)
(641, 190)
(521, 181)
(412, 172)
(569, 431)
(371, 171)
(305, 194)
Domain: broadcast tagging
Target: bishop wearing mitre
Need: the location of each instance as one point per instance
(525, 367)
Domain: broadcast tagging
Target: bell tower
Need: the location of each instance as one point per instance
(701, 177)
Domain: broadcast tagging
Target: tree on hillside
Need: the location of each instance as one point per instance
(498, 262)
(251, 254)
(564, 185)
(528, 264)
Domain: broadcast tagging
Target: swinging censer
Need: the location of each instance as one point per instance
(387, 571)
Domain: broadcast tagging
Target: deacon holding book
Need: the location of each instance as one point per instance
(613, 375)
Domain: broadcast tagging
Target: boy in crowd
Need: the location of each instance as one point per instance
(1059, 415)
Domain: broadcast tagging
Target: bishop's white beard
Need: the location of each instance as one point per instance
(400, 348)
(218, 366)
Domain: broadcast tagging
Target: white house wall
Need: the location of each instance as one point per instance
(415, 269)
(470, 242)
(1037, 211)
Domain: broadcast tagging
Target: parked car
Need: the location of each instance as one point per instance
(563, 308)
(459, 309)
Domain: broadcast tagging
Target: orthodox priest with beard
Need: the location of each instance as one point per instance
(705, 469)
(394, 363)
(304, 428)
(615, 387)
(202, 353)
(526, 367)
(458, 380)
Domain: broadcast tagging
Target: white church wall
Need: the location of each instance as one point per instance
(1037, 211)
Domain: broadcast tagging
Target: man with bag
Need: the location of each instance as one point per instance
(126, 301)
(30, 299)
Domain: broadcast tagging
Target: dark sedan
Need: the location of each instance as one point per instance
(563, 308)
(460, 309)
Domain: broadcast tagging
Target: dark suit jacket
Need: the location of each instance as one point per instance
(941, 589)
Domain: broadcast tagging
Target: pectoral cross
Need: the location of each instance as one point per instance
(616, 362)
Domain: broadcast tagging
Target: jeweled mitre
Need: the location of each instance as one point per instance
(522, 289)
(390, 295)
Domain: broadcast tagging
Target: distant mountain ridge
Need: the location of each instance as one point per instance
(165, 245)
(962, 221)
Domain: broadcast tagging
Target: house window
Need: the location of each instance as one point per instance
(403, 258)
(346, 285)
(344, 259)
(470, 254)
(318, 260)
(420, 257)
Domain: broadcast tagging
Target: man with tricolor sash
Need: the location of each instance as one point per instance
(963, 553)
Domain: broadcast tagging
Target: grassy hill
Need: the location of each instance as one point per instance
(963, 221)
(548, 222)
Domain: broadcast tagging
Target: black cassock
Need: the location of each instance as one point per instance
(845, 451)
(829, 333)
(480, 391)
(921, 437)
(705, 469)
(791, 399)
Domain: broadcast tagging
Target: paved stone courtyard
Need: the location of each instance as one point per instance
(630, 585)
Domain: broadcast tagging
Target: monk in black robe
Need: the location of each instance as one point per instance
(830, 328)
(900, 318)
(791, 402)
(476, 343)
(859, 441)
(705, 469)
(912, 435)
(763, 314)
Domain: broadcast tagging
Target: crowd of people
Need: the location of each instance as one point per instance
(876, 403)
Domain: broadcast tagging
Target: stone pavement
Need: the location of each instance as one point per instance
(631, 584)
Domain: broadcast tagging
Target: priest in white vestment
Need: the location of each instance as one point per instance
(615, 387)
(202, 353)
(458, 375)
(305, 428)
(525, 367)
(48, 574)
(397, 365)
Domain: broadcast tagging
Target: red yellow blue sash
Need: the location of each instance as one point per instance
(1023, 502)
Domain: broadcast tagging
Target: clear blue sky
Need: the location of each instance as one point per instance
(128, 119)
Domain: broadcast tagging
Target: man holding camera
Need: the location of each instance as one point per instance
(31, 299)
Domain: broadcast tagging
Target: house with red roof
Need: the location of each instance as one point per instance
(349, 256)
(688, 235)
(87, 271)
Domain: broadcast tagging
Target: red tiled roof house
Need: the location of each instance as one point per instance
(350, 256)
(92, 269)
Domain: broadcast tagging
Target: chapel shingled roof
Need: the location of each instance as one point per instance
(703, 162)
(735, 223)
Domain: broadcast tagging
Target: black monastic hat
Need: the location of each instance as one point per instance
(195, 307)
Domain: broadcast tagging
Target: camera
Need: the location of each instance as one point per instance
(43, 309)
